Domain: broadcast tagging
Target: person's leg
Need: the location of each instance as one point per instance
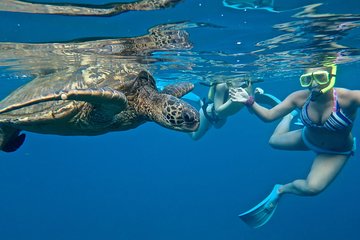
(283, 138)
(323, 171)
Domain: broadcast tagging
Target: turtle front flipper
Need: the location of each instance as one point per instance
(98, 96)
(178, 89)
(10, 139)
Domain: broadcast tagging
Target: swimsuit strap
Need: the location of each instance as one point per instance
(335, 103)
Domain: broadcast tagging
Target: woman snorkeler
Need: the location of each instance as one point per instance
(327, 114)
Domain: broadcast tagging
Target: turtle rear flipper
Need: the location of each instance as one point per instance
(178, 89)
(94, 96)
(10, 139)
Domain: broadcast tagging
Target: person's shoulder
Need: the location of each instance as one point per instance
(343, 90)
(347, 93)
(299, 97)
(348, 98)
(300, 94)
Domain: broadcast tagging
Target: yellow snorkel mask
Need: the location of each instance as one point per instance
(321, 77)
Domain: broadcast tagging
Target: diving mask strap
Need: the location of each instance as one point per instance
(332, 80)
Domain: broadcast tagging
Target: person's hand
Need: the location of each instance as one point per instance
(238, 95)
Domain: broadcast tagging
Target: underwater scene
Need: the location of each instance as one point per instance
(179, 119)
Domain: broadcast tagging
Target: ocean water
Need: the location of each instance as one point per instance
(156, 183)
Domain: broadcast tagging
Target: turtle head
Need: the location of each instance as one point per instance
(171, 112)
(177, 114)
(163, 107)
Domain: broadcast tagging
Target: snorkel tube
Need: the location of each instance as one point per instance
(332, 80)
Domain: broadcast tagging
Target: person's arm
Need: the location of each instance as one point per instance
(265, 114)
(224, 107)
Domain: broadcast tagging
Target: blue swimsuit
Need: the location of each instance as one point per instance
(337, 121)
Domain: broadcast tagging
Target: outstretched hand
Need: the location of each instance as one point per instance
(238, 95)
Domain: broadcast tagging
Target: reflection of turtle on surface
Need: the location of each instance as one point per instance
(78, 9)
(92, 101)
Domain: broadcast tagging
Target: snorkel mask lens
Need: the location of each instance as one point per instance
(321, 77)
(244, 84)
(306, 79)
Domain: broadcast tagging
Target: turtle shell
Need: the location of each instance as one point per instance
(34, 102)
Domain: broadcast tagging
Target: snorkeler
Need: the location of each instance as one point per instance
(327, 114)
(215, 110)
(218, 107)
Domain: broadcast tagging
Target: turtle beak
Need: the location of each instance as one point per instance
(191, 119)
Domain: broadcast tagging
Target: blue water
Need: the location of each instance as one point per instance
(155, 183)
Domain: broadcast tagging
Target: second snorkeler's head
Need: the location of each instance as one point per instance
(243, 83)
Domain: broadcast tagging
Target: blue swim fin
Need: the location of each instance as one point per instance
(261, 213)
(270, 100)
(266, 99)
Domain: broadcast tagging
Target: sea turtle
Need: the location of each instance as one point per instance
(91, 101)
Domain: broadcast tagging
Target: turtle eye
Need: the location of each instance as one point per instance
(188, 116)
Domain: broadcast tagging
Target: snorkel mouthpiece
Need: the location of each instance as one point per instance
(332, 80)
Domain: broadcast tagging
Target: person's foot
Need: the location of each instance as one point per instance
(273, 198)
(259, 91)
